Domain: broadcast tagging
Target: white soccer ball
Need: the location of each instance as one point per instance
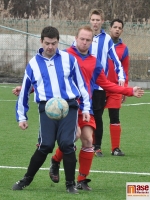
(56, 108)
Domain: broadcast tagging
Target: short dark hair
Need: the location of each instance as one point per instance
(116, 20)
(50, 32)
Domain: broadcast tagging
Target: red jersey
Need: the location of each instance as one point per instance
(93, 72)
(123, 55)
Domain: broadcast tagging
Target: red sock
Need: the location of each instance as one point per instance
(115, 133)
(85, 161)
(58, 155)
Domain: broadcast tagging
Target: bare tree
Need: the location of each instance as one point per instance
(128, 10)
(24, 9)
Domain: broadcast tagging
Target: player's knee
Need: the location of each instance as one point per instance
(67, 147)
(114, 116)
(87, 142)
(114, 119)
(46, 148)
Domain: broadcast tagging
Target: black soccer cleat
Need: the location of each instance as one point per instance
(21, 184)
(117, 152)
(98, 153)
(54, 171)
(70, 187)
(83, 185)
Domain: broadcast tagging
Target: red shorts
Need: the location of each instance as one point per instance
(82, 123)
(113, 100)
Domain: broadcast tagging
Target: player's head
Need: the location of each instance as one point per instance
(116, 28)
(50, 32)
(84, 37)
(49, 40)
(96, 19)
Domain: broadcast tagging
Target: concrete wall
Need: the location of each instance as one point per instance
(144, 85)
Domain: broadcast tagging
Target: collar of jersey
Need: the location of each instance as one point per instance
(119, 42)
(40, 51)
(101, 32)
(81, 55)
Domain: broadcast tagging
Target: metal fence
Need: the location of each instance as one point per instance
(19, 41)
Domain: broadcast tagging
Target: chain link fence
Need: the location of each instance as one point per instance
(20, 39)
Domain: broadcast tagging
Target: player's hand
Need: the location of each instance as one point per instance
(16, 90)
(123, 98)
(86, 117)
(138, 92)
(121, 82)
(23, 125)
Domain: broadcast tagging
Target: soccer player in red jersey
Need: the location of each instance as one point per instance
(113, 101)
(93, 73)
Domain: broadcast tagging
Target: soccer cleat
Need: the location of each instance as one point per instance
(54, 171)
(70, 187)
(82, 185)
(98, 153)
(117, 152)
(21, 184)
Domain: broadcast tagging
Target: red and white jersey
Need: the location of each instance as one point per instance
(123, 55)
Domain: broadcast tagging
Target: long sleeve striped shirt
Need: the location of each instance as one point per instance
(103, 49)
(59, 76)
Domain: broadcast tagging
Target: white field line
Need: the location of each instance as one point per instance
(4, 86)
(93, 171)
(135, 104)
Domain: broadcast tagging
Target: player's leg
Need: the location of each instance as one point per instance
(115, 131)
(46, 144)
(56, 159)
(113, 104)
(66, 135)
(98, 99)
(58, 154)
(86, 153)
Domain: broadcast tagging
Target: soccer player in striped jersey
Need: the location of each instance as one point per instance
(102, 48)
(113, 101)
(53, 73)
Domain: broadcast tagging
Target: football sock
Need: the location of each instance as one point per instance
(85, 161)
(58, 155)
(69, 162)
(115, 133)
(36, 162)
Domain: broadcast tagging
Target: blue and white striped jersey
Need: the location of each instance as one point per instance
(59, 76)
(103, 48)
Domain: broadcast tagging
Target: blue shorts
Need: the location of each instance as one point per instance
(63, 131)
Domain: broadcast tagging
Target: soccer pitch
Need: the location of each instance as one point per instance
(109, 174)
